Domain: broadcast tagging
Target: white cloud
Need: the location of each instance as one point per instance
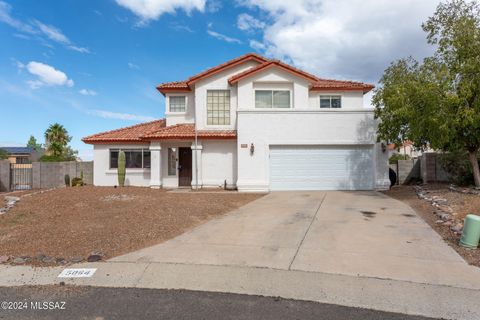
(214, 6)
(180, 27)
(5, 17)
(47, 76)
(148, 10)
(87, 92)
(52, 33)
(78, 49)
(133, 66)
(116, 115)
(256, 45)
(223, 37)
(346, 39)
(37, 28)
(248, 23)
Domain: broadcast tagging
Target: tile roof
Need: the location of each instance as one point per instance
(185, 84)
(187, 131)
(128, 134)
(17, 150)
(328, 84)
(269, 64)
(156, 130)
(318, 84)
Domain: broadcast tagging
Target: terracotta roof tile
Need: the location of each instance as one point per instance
(185, 84)
(187, 131)
(127, 134)
(269, 64)
(328, 84)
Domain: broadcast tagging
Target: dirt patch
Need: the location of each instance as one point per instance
(462, 204)
(74, 222)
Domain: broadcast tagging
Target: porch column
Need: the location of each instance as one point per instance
(155, 165)
(197, 165)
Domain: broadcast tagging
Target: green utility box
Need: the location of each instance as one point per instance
(471, 232)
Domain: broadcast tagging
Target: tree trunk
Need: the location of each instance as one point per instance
(476, 171)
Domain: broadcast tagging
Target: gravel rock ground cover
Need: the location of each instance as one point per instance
(461, 204)
(70, 224)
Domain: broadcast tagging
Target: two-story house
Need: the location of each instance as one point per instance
(255, 124)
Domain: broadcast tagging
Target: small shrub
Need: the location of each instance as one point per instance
(397, 156)
(77, 182)
(67, 180)
(458, 167)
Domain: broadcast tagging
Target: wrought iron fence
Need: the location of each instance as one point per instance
(20, 176)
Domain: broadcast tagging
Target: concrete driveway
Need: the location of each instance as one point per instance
(351, 233)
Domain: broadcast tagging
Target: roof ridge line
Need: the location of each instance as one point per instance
(123, 128)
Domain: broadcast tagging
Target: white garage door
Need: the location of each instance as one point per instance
(321, 167)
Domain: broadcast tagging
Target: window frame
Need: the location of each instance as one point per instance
(143, 150)
(330, 96)
(177, 96)
(174, 153)
(229, 113)
(290, 102)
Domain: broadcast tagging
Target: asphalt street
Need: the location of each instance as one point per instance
(68, 302)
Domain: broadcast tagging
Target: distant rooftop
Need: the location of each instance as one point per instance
(17, 150)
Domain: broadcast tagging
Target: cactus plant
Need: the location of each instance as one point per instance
(121, 168)
(67, 180)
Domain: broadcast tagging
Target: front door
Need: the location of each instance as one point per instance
(184, 167)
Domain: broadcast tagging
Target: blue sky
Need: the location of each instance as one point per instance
(93, 65)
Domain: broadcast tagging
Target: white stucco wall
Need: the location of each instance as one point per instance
(350, 99)
(218, 81)
(272, 79)
(219, 162)
(293, 127)
(104, 176)
(188, 116)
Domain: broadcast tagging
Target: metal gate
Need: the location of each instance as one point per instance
(20, 176)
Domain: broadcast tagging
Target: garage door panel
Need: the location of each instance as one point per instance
(321, 167)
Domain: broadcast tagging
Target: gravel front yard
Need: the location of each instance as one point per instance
(462, 204)
(73, 223)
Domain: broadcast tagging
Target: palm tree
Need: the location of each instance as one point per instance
(56, 139)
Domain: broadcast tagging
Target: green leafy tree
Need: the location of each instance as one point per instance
(437, 102)
(56, 142)
(32, 142)
(3, 154)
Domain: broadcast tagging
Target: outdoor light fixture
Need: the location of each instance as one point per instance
(384, 147)
(252, 149)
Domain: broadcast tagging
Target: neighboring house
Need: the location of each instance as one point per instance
(260, 125)
(21, 155)
(407, 148)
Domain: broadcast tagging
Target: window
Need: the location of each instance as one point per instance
(22, 160)
(172, 161)
(330, 102)
(134, 158)
(177, 103)
(218, 107)
(272, 99)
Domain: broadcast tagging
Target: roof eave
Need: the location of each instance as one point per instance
(256, 58)
(272, 64)
(172, 90)
(363, 89)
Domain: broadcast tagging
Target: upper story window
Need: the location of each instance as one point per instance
(272, 99)
(330, 102)
(218, 107)
(177, 103)
(134, 158)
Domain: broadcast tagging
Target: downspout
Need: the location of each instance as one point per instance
(196, 146)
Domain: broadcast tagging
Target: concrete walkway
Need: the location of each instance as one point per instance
(360, 249)
(350, 233)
